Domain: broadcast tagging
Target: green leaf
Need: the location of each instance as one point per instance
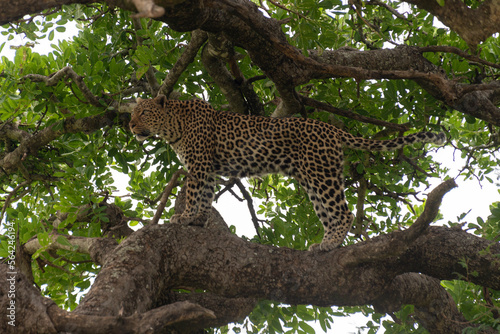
(306, 327)
(63, 241)
(141, 71)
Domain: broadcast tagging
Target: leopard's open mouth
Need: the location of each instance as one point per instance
(142, 136)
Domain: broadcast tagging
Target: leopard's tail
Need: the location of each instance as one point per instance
(393, 144)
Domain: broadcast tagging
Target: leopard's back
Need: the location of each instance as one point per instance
(255, 145)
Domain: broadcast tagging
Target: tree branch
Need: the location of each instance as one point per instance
(179, 315)
(166, 193)
(158, 257)
(349, 114)
(463, 20)
(334, 278)
(435, 310)
(251, 209)
(216, 68)
(12, 161)
(66, 72)
(323, 279)
(198, 38)
(242, 23)
(97, 248)
(431, 210)
(459, 52)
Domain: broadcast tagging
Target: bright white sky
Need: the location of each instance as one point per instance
(470, 195)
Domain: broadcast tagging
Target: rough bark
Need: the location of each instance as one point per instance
(434, 307)
(474, 25)
(145, 268)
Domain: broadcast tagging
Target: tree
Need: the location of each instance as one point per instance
(376, 69)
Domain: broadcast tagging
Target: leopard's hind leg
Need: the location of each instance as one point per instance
(327, 195)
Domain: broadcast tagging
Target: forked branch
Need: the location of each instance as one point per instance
(166, 193)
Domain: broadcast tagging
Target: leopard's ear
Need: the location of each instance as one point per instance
(161, 100)
(138, 100)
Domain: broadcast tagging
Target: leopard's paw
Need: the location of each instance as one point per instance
(197, 220)
(325, 246)
(176, 219)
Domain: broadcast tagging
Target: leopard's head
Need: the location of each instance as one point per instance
(148, 117)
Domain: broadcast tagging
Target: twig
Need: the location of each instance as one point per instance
(384, 192)
(227, 187)
(166, 193)
(8, 199)
(413, 164)
(150, 75)
(349, 114)
(66, 72)
(12, 161)
(140, 220)
(363, 186)
(289, 10)
(457, 51)
(248, 198)
(489, 303)
(389, 8)
(477, 87)
(45, 262)
(372, 27)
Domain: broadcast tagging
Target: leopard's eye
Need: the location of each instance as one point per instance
(144, 112)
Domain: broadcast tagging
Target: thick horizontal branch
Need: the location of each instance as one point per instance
(10, 12)
(97, 248)
(36, 314)
(158, 258)
(179, 315)
(217, 259)
(211, 259)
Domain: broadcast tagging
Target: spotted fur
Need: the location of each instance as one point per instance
(210, 143)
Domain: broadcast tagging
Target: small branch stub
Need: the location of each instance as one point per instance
(147, 8)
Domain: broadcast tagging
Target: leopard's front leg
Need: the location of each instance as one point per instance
(199, 196)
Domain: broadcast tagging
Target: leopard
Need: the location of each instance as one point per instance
(211, 143)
